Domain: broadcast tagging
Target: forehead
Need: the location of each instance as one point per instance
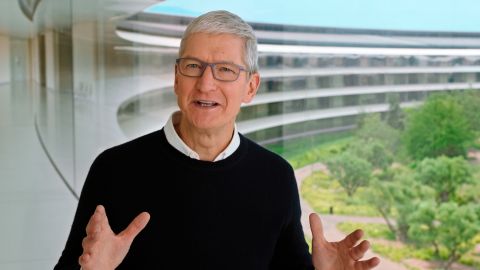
(214, 47)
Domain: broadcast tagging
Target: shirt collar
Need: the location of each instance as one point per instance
(177, 142)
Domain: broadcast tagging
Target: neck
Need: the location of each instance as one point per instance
(208, 144)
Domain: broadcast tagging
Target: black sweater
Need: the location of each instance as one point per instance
(242, 212)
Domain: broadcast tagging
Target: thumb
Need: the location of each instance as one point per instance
(135, 227)
(316, 227)
(102, 217)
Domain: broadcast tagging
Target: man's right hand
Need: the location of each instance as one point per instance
(102, 248)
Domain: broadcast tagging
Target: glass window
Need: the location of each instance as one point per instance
(326, 87)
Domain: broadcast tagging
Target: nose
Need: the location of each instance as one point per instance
(206, 82)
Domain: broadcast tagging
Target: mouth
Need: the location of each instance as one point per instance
(206, 103)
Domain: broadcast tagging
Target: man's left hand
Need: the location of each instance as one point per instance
(342, 255)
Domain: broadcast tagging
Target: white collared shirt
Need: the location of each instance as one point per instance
(177, 142)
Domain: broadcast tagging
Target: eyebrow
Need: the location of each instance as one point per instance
(222, 62)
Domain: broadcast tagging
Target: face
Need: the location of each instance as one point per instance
(205, 102)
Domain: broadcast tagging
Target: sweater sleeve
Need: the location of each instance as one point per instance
(90, 197)
(291, 251)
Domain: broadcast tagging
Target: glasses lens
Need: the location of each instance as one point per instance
(221, 71)
(226, 71)
(190, 67)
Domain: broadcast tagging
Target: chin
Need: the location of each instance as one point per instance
(210, 124)
(206, 125)
(209, 120)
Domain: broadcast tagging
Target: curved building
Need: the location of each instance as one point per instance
(315, 79)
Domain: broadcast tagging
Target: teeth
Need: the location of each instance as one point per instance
(204, 103)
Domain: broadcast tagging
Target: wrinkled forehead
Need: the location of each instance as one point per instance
(213, 45)
(211, 39)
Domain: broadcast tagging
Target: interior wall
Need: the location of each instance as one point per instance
(50, 59)
(34, 60)
(19, 55)
(4, 59)
(84, 59)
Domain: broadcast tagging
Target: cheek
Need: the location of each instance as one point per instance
(234, 102)
(177, 89)
(181, 90)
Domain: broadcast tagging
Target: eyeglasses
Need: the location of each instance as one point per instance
(225, 72)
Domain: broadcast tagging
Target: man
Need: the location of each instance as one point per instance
(197, 194)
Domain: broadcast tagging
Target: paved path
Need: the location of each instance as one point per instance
(330, 221)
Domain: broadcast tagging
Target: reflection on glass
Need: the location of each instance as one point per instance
(362, 122)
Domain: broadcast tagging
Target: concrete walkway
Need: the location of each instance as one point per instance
(330, 221)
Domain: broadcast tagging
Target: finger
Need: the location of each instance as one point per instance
(93, 225)
(367, 264)
(88, 244)
(135, 227)
(83, 260)
(351, 239)
(316, 227)
(103, 220)
(358, 251)
(85, 243)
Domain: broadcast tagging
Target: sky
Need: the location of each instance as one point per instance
(417, 15)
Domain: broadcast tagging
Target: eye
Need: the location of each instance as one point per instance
(193, 66)
(226, 69)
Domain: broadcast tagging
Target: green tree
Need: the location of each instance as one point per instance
(458, 225)
(374, 152)
(470, 102)
(448, 225)
(423, 225)
(373, 129)
(444, 174)
(396, 200)
(379, 196)
(468, 193)
(395, 116)
(438, 127)
(406, 196)
(351, 171)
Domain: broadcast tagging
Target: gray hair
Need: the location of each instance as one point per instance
(224, 22)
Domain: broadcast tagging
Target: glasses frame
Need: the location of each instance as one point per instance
(212, 66)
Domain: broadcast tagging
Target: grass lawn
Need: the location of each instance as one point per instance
(305, 151)
(383, 242)
(321, 193)
(476, 144)
(370, 230)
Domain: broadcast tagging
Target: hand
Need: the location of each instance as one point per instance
(342, 255)
(102, 249)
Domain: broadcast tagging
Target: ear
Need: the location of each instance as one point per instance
(175, 84)
(252, 87)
